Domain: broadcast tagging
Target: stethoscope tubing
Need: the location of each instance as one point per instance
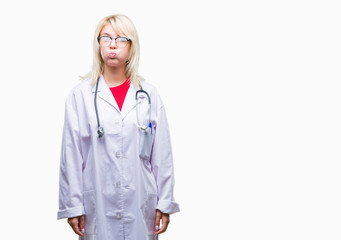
(145, 128)
(100, 130)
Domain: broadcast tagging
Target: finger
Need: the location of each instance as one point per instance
(74, 223)
(157, 220)
(76, 229)
(165, 222)
(82, 223)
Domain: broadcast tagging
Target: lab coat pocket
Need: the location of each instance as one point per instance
(90, 214)
(145, 144)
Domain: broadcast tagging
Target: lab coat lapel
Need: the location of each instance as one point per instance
(129, 101)
(104, 93)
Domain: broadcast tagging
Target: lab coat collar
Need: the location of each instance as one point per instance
(129, 101)
(104, 93)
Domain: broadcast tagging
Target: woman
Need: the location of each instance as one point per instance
(116, 170)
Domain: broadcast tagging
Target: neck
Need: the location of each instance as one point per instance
(114, 76)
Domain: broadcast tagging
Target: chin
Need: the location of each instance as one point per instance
(114, 63)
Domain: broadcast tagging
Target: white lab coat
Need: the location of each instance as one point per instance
(118, 181)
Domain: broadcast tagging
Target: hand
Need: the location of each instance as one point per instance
(164, 217)
(77, 224)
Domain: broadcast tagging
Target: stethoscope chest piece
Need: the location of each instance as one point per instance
(100, 132)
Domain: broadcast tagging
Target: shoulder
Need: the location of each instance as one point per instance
(153, 93)
(79, 91)
(83, 87)
(148, 87)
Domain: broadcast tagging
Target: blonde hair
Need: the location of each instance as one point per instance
(123, 26)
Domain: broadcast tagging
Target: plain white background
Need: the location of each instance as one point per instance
(252, 93)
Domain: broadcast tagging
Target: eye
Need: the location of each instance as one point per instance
(106, 38)
(122, 39)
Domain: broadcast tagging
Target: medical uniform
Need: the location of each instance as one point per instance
(119, 180)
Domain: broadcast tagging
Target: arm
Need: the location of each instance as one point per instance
(71, 165)
(162, 165)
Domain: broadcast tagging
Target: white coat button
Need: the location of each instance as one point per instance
(118, 184)
(118, 154)
(118, 215)
(117, 121)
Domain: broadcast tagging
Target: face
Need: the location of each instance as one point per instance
(112, 55)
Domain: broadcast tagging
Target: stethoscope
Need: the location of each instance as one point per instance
(143, 128)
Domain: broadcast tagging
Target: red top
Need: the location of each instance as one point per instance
(120, 92)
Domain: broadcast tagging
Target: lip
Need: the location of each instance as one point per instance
(112, 54)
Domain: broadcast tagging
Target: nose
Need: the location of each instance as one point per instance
(113, 44)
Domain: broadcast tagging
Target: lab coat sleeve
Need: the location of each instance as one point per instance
(162, 165)
(71, 162)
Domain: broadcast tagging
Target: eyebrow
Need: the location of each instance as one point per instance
(107, 34)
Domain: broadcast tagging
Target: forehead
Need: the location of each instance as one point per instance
(108, 28)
